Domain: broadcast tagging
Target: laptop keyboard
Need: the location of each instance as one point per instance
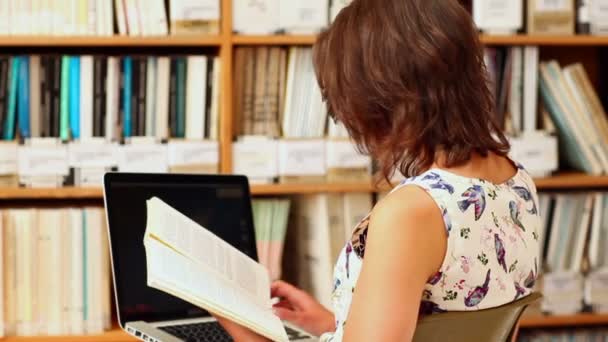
(213, 332)
(199, 332)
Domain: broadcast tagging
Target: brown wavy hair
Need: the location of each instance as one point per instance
(407, 79)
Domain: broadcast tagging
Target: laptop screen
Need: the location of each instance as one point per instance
(221, 204)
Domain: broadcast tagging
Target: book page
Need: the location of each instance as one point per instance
(191, 263)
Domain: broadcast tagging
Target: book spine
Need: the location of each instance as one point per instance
(23, 106)
(74, 97)
(150, 100)
(181, 98)
(173, 98)
(583, 20)
(4, 74)
(209, 96)
(86, 97)
(133, 95)
(55, 80)
(35, 96)
(141, 96)
(9, 127)
(44, 104)
(97, 98)
(126, 95)
(103, 95)
(64, 116)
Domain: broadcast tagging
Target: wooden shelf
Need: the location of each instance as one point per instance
(274, 40)
(50, 193)
(584, 319)
(114, 335)
(293, 189)
(572, 40)
(571, 180)
(114, 41)
(566, 181)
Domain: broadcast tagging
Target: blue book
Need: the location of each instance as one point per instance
(23, 98)
(9, 124)
(570, 147)
(74, 97)
(126, 96)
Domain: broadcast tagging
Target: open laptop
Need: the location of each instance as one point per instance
(222, 204)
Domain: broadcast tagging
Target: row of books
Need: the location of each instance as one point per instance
(573, 257)
(541, 16)
(109, 17)
(80, 97)
(319, 227)
(56, 272)
(564, 335)
(577, 114)
(274, 16)
(534, 97)
(270, 217)
(276, 93)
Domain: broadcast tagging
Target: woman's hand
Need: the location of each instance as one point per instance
(301, 309)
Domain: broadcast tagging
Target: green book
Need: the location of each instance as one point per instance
(64, 112)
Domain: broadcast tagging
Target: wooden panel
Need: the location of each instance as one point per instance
(114, 335)
(524, 39)
(225, 134)
(572, 181)
(563, 321)
(291, 189)
(50, 193)
(274, 40)
(116, 41)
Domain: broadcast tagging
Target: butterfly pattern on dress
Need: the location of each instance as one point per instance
(491, 250)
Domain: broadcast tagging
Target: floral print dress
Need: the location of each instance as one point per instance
(492, 246)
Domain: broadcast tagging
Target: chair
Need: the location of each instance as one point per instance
(496, 325)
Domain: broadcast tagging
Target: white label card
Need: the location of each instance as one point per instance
(553, 5)
(143, 158)
(193, 153)
(305, 15)
(256, 159)
(195, 10)
(93, 155)
(302, 157)
(8, 158)
(343, 154)
(538, 152)
(43, 160)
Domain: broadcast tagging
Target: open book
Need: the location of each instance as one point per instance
(187, 261)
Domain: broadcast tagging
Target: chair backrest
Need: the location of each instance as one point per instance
(495, 324)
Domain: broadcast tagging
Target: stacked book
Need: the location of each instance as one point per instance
(98, 17)
(274, 16)
(318, 231)
(577, 113)
(270, 217)
(56, 272)
(574, 231)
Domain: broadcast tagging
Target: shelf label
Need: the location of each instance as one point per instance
(143, 158)
(93, 154)
(183, 152)
(342, 154)
(302, 157)
(537, 151)
(43, 160)
(554, 5)
(256, 158)
(563, 292)
(8, 158)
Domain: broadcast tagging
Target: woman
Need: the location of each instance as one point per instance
(408, 81)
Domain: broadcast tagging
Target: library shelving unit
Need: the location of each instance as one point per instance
(564, 48)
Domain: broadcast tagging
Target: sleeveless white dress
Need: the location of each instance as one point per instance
(492, 246)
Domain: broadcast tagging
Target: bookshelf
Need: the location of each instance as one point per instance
(571, 181)
(225, 44)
